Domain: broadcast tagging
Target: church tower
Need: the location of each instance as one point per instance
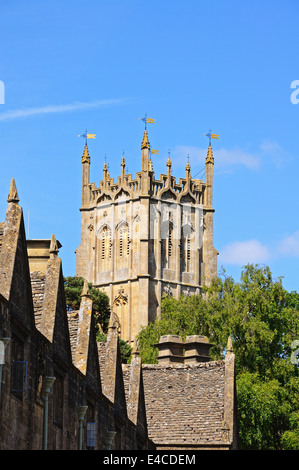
(142, 238)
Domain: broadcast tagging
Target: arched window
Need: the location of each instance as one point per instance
(123, 245)
(187, 252)
(187, 244)
(167, 248)
(135, 242)
(105, 248)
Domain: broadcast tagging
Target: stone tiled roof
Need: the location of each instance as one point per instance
(73, 317)
(38, 287)
(185, 403)
(102, 358)
(126, 375)
(1, 233)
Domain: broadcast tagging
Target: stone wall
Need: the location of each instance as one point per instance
(147, 236)
(45, 343)
(180, 403)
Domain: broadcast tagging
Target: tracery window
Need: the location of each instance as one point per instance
(187, 243)
(187, 252)
(105, 248)
(123, 244)
(167, 248)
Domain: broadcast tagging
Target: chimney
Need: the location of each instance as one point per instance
(171, 349)
(197, 349)
(39, 254)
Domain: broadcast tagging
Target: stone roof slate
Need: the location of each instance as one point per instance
(185, 403)
(38, 288)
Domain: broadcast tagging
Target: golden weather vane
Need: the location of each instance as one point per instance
(211, 136)
(87, 136)
(146, 120)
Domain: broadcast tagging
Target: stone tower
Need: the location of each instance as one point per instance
(143, 238)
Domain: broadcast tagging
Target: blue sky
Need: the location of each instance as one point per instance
(193, 65)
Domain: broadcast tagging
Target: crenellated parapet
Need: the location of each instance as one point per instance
(111, 190)
(148, 235)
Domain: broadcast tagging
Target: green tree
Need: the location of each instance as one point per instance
(73, 286)
(263, 320)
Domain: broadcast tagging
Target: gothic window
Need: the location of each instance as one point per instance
(123, 245)
(135, 240)
(123, 241)
(187, 244)
(105, 248)
(106, 243)
(170, 242)
(186, 252)
(167, 248)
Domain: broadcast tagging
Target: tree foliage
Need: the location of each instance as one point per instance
(100, 301)
(263, 320)
(73, 286)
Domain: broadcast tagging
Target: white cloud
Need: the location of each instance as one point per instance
(237, 157)
(275, 152)
(244, 252)
(253, 251)
(19, 113)
(226, 159)
(290, 245)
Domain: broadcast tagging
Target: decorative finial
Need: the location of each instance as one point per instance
(209, 157)
(229, 346)
(168, 163)
(13, 193)
(114, 322)
(53, 250)
(105, 167)
(123, 168)
(135, 348)
(85, 156)
(188, 167)
(85, 291)
(145, 142)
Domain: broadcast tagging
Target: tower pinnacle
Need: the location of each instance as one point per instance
(209, 157)
(85, 156)
(145, 142)
(13, 193)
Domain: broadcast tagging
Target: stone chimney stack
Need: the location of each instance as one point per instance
(197, 349)
(171, 349)
(39, 253)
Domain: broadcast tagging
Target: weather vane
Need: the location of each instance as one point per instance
(146, 120)
(211, 136)
(87, 136)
